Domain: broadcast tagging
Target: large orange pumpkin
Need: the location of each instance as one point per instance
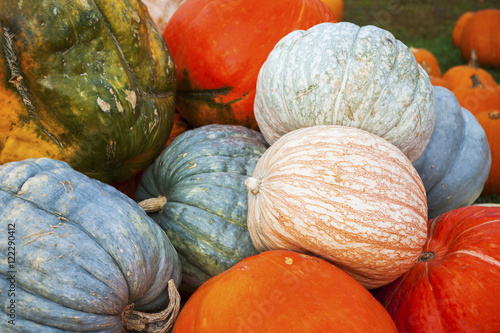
(458, 29)
(490, 121)
(219, 46)
(455, 284)
(337, 8)
(343, 194)
(479, 32)
(282, 291)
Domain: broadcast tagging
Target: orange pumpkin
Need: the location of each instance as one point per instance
(490, 121)
(478, 97)
(282, 291)
(458, 29)
(219, 46)
(439, 81)
(460, 75)
(480, 32)
(337, 8)
(427, 60)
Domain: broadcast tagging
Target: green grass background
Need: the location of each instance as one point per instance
(422, 23)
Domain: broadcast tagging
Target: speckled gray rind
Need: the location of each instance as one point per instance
(343, 74)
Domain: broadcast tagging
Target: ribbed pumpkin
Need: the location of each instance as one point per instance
(88, 82)
(85, 254)
(283, 291)
(219, 47)
(460, 24)
(343, 74)
(427, 60)
(457, 161)
(490, 121)
(455, 284)
(478, 97)
(201, 177)
(343, 194)
(479, 31)
(461, 75)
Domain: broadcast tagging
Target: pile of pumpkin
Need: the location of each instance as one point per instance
(300, 177)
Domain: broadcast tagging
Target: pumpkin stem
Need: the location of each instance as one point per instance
(159, 322)
(426, 256)
(153, 205)
(494, 115)
(476, 81)
(473, 59)
(253, 184)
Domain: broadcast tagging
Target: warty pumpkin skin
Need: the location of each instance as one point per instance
(83, 251)
(455, 284)
(219, 47)
(88, 82)
(282, 291)
(456, 163)
(343, 74)
(201, 175)
(342, 194)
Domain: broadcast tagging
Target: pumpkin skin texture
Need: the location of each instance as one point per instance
(337, 8)
(219, 47)
(480, 33)
(455, 285)
(282, 291)
(84, 251)
(342, 194)
(490, 121)
(379, 87)
(201, 174)
(79, 82)
(456, 163)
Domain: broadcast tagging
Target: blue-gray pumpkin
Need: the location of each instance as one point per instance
(77, 253)
(201, 175)
(456, 163)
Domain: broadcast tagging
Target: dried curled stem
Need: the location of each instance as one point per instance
(153, 205)
(159, 322)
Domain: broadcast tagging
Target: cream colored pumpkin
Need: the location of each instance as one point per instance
(162, 10)
(343, 74)
(343, 194)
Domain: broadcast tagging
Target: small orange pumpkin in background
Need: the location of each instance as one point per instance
(479, 31)
(460, 75)
(490, 121)
(281, 292)
(427, 60)
(458, 29)
(477, 98)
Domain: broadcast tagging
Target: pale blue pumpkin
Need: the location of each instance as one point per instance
(83, 252)
(456, 163)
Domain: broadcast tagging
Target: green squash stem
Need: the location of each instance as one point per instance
(160, 322)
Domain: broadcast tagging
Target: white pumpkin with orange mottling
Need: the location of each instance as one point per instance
(342, 194)
(343, 74)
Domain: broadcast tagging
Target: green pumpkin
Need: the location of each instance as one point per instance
(88, 82)
(202, 174)
(84, 252)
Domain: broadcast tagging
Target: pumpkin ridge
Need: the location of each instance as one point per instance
(343, 82)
